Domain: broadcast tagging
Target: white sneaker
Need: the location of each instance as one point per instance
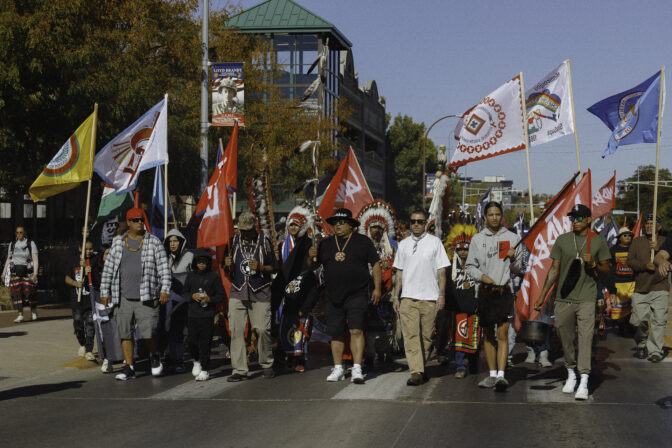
(336, 375)
(82, 351)
(356, 375)
(543, 359)
(33, 316)
(89, 356)
(531, 356)
(197, 369)
(105, 368)
(582, 392)
(203, 376)
(569, 386)
(18, 319)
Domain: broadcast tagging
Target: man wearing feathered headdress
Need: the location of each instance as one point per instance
(379, 224)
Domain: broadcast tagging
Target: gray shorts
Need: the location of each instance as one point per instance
(135, 312)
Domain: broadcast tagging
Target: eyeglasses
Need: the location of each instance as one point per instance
(577, 218)
(135, 219)
(340, 222)
(417, 221)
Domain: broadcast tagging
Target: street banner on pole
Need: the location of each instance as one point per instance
(139, 147)
(492, 127)
(549, 107)
(632, 115)
(228, 94)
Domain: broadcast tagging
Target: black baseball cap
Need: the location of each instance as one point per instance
(579, 210)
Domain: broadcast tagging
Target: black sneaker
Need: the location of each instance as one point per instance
(269, 373)
(127, 373)
(655, 358)
(236, 377)
(641, 353)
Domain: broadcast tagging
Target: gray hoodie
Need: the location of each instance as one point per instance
(180, 263)
(484, 258)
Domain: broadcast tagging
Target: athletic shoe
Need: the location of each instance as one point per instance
(82, 351)
(179, 366)
(336, 375)
(655, 358)
(157, 366)
(269, 373)
(581, 392)
(33, 316)
(531, 356)
(106, 367)
(501, 384)
(543, 359)
(236, 377)
(126, 373)
(356, 375)
(460, 373)
(640, 354)
(488, 383)
(89, 356)
(569, 386)
(300, 368)
(414, 380)
(196, 370)
(203, 376)
(18, 319)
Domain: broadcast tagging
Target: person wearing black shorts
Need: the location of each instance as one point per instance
(346, 257)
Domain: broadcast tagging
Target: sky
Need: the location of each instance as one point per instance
(432, 58)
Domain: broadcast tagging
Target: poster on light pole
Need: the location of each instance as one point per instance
(228, 94)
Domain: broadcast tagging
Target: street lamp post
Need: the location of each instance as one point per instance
(424, 158)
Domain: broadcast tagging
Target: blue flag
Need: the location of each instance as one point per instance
(156, 215)
(631, 115)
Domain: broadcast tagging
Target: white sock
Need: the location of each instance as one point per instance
(571, 374)
(357, 366)
(338, 367)
(493, 373)
(500, 374)
(584, 379)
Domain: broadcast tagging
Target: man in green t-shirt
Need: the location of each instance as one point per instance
(578, 257)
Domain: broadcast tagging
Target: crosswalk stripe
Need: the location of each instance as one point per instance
(196, 389)
(388, 386)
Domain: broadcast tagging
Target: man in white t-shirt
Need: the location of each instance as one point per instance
(420, 282)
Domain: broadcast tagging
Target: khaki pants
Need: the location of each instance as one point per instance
(260, 321)
(417, 324)
(567, 317)
(650, 309)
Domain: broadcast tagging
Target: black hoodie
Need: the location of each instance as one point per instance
(207, 280)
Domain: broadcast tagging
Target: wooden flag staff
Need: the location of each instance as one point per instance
(576, 137)
(655, 180)
(85, 232)
(527, 145)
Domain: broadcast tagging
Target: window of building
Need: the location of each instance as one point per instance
(5, 210)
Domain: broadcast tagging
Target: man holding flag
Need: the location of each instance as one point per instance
(578, 257)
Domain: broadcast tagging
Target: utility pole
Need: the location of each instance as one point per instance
(205, 85)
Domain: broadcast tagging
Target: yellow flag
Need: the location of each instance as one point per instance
(73, 163)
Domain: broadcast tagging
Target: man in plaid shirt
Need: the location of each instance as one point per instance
(136, 277)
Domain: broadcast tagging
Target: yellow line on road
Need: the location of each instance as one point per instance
(81, 364)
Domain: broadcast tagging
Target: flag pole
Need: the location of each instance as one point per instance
(527, 145)
(165, 182)
(576, 137)
(88, 198)
(655, 180)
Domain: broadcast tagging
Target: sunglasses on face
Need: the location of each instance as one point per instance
(417, 221)
(577, 218)
(340, 222)
(135, 219)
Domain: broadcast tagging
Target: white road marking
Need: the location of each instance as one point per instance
(196, 389)
(387, 386)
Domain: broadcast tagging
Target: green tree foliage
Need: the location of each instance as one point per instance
(626, 198)
(406, 139)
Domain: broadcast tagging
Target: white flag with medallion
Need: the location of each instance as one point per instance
(492, 127)
(549, 107)
(141, 146)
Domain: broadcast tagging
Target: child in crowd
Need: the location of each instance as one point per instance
(203, 289)
(80, 277)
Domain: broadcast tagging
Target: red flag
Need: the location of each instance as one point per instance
(216, 228)
(348, 189)
(604, 200)
(637, 230)
(553, 223)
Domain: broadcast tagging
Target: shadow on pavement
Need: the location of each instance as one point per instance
(12, 333)
(665, 402)
(38, 389)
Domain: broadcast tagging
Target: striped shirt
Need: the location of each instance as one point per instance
(155, 270)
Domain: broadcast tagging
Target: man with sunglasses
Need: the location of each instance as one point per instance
(419, 292)
(346, 257)
(578, 258)
(136, 277)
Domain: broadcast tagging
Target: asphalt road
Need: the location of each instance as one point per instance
(50, 397)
